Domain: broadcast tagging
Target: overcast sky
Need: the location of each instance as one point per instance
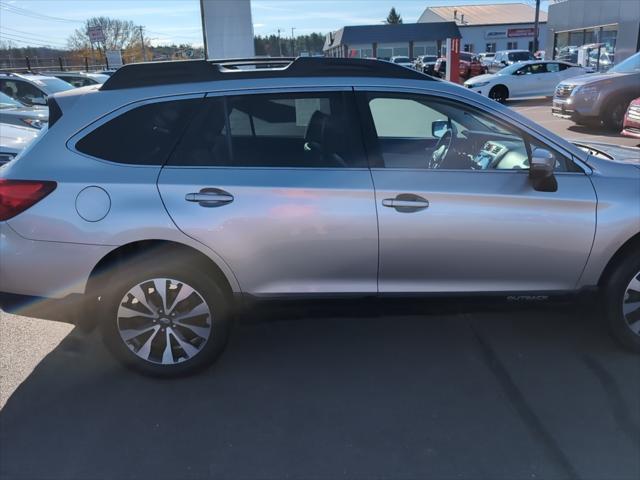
(50, 22)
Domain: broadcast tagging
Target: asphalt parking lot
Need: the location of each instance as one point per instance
(431, 391)
(539, 110)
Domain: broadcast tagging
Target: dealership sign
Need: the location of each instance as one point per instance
(96, 34)
(493, 34)
(521, 32)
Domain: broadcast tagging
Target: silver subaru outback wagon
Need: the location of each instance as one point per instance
(154, 203)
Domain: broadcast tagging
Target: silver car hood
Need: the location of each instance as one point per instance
(27, 111)
(611, 153)
(592, 78)
(14, 138)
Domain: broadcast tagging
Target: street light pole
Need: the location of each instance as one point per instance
(293, 43)
(536, 47)
(279, 44)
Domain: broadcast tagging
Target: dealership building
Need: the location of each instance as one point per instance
(490, 28)
(386, 41)
(596, 34)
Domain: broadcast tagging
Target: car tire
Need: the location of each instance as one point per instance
(614, 116)
(622, 301)
(175, 333)
(499, 93)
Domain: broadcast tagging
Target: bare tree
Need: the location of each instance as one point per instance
(119, 34)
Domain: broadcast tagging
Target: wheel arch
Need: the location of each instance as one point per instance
(156, 248)
(629, 246)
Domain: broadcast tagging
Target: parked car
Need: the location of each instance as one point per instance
(403, 61)
(157, 227)
(470, 65)
(504, 58)
(440, 68)
(15, 113)
(599, 98)
(524, 79)
(13, 139)
(31, 89)
(631, 123)
(426, 64)
(80, 79)
(486, 57)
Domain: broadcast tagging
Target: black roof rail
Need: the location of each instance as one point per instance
(186, 71)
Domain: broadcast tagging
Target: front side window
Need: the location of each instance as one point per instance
(423, 132)
(313, 130)
(23, 92)
(144, 135)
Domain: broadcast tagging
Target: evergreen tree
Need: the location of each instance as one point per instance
(394, 17)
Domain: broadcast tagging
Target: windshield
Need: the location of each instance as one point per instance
(53, 85)
(630, 65)
(429, 58)
(401, 60)
(7, 102)
(520, 56)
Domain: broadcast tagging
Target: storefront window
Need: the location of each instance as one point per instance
(490, 47)
(385, 53)
(590, 47)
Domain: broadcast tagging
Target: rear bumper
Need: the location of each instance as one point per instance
(45, 269)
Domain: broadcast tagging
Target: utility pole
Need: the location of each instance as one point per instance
(535, 28)
(279, 44)
(144, 50)
(293, 43)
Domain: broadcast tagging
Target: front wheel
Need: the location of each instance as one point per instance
(614, 116)
(164, 321)
(622, 302)
(499, 93)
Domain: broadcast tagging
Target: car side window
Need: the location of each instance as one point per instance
(144, 135)
(536, 68)
(424, 132)
(22, 91)
(290, 130)
(554, 67)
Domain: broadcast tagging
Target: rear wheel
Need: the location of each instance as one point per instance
(164, 321)
(499, 93)
(622, 301)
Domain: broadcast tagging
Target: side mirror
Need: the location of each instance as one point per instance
(439, 128)
(503, 62)
(541, 170)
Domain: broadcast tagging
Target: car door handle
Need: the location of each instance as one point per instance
(406, 203)
(210, 197)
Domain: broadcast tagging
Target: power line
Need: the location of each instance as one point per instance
(27, 35)
(28, 43)
(35, 15)
(40, 43)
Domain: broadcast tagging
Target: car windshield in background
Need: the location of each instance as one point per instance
(429, 58)
(630, 65)
(54, 85)
(7, 102)
(520, 56)
(401, 60)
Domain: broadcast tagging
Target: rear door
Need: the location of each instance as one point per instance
(277, 184)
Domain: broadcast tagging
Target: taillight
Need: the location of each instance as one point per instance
(18, 195)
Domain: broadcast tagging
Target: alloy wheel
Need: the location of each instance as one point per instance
(631, 304)
(164, 321)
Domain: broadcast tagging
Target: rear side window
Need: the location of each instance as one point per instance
(145, 135)
(274, 130)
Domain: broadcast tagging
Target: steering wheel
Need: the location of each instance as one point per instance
(445, 143)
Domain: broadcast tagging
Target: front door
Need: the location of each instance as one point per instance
(462, 216)
(278, 186)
